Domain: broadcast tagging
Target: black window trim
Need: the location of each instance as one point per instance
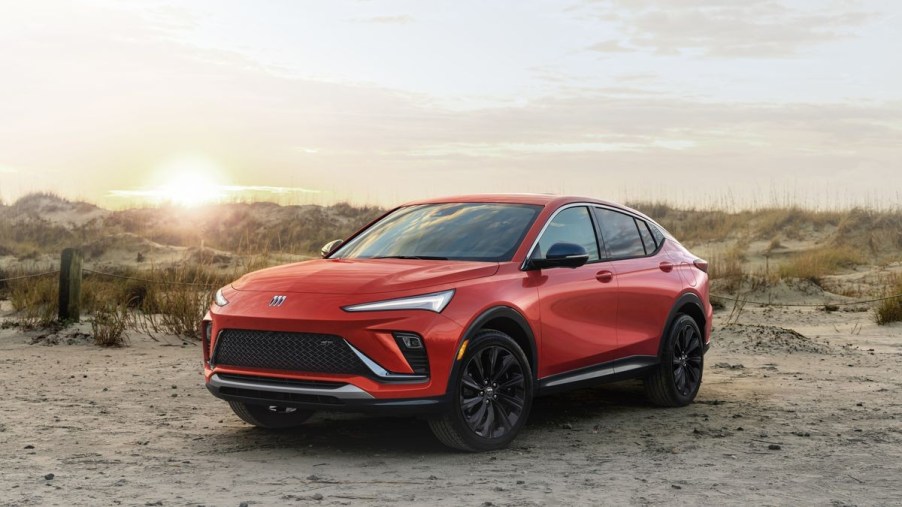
(598, 240)
(600, 235)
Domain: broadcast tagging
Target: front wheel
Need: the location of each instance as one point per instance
(491, 394)
(270, 416)
(675, 382)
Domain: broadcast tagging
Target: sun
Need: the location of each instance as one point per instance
(190, 182)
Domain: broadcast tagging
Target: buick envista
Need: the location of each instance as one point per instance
(462, 310)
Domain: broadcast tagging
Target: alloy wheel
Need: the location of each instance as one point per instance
(493, 392)
(687, 360)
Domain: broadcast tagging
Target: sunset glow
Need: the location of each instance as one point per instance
(189, 182)
(689, 102)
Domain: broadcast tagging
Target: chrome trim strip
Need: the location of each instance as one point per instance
(345, 392)
(382, 372)
(602, 258)
(604, 372)
(535, 243)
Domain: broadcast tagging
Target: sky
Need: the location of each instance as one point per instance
(694, 102)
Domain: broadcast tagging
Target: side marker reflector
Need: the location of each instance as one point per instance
(463, 348)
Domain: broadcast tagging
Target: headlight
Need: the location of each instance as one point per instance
(219, 299)
(435, 302)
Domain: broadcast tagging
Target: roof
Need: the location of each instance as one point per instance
(547, 200)
(538, 199)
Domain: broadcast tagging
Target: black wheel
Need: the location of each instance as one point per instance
(491, 394)
(270, 416)
(676, 381)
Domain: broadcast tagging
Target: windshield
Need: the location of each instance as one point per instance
(488, 232)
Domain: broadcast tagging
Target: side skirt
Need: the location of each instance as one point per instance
(611, 371)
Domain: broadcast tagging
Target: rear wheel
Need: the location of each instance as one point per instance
(270, 416)
(491, 395)
(676, 381)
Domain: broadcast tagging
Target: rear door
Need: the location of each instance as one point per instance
(648, 284)
(578, 305)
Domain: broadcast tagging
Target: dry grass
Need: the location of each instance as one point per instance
(35, 300)
(890, 310)
(172, 300)
(178, 302)
(727, 265)
(877, 231)
(169, 300)
(816, 264)
(109, 324)
(239, 228)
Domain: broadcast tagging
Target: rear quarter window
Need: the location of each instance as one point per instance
(657, 234)
(647, 239)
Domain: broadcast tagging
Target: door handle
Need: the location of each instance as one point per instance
(666, 267)
(604, 276)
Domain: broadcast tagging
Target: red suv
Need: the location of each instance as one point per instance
(462, 310)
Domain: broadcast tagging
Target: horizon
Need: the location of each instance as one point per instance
(699, 104)
(721, 204)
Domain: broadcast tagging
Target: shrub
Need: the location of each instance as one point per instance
(890, 310)
(727, 265)
(177, 300)
(35, 300)
(109, 325)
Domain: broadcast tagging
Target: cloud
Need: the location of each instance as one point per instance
(609, 46)
(387, 20)
(103, 107)
(754, 28)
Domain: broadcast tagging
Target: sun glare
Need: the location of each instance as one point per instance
(191, 189)
(188, 182)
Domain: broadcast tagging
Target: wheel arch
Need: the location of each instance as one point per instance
(689, 304)
(510, 322)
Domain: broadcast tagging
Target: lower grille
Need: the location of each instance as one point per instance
(278, 350)
(280, 397)
(315, 384)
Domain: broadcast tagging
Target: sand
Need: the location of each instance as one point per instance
(782, 419)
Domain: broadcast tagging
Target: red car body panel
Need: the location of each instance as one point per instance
(578, 318)
(596, 313)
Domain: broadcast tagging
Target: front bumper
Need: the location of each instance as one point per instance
(387, 377)
(315, 395)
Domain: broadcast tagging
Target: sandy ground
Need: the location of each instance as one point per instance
(780, 420)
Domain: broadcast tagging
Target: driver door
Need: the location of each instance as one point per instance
(578, 305)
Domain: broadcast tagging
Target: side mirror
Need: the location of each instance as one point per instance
(561, 255)
(330, 247)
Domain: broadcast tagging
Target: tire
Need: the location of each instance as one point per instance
(270, 416)
(676, 380)
(491, 395)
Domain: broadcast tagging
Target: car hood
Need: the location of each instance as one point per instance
(362, 276)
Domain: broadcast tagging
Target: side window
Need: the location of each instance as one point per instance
(573, 225)
(620, 234)
(647, 239)
(659, 236)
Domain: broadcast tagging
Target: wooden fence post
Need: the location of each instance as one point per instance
(70, 285)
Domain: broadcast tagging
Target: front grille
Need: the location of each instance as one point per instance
(278, 350)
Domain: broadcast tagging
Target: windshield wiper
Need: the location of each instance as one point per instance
(417, 257)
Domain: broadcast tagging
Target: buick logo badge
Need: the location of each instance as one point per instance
(277, 301)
